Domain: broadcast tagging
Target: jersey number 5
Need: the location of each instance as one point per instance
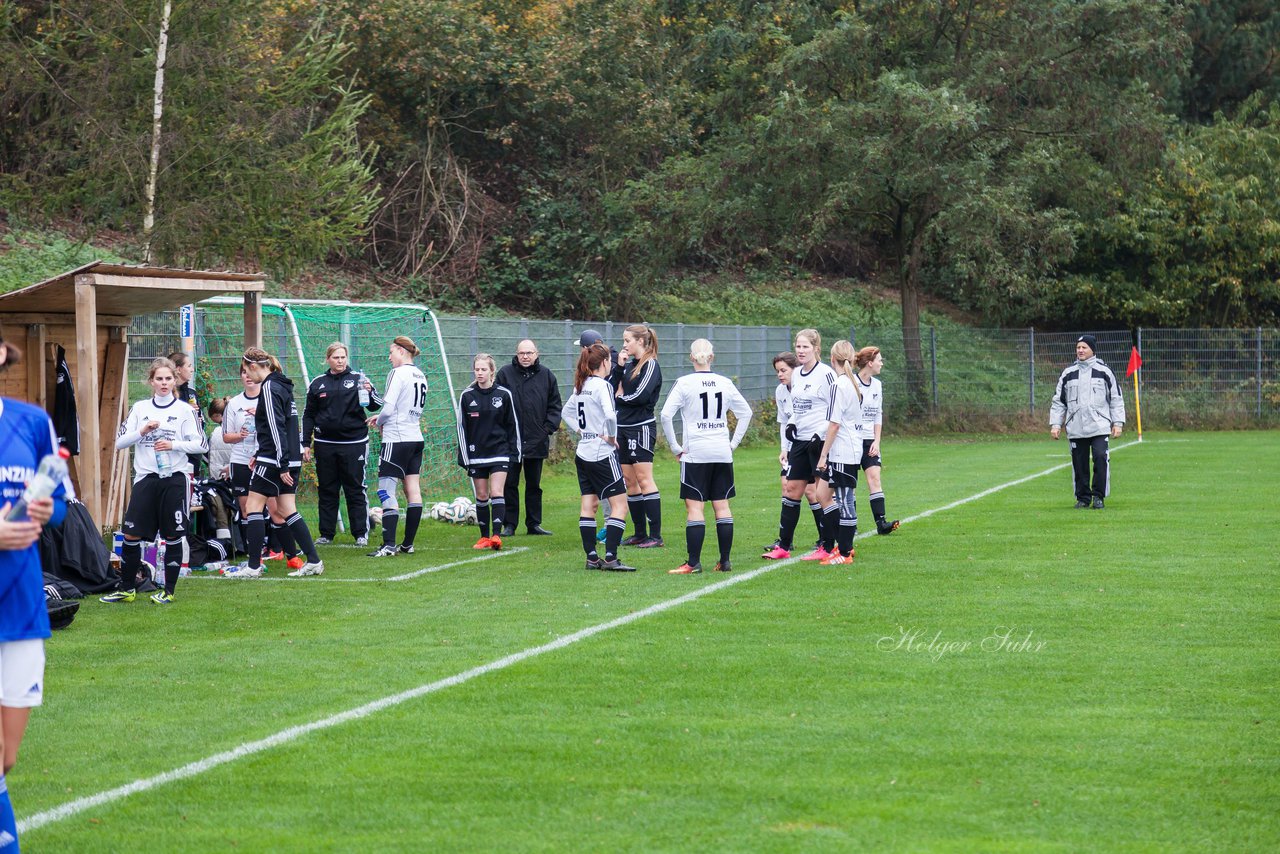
(582, 416)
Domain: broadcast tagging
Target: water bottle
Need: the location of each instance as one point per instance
(361, 390)
(162, 463)
(52, 471)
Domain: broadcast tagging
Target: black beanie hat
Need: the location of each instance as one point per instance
(1090, 340)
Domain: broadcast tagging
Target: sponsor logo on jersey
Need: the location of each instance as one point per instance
(348, 384)
(497, 403)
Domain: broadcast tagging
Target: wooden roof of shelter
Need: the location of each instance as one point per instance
(93, 306)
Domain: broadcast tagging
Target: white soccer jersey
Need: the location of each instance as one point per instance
(847, 446)
(401, 414)
(177, 424)
(238, 418)
(782, 397)
(704, 401)
(812, 399)
(591, 414)
(872, 406)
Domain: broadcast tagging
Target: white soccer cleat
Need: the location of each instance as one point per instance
(316, 568)
(245, 572)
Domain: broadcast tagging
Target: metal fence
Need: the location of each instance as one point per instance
(1189, 376)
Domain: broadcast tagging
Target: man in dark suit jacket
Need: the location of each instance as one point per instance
(537, 397)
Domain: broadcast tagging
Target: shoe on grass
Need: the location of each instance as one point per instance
(483, 543)
(633, 540)
(324, 541)
(1082, 504)
(686, 569)
(295, 562)
(777, 553)
(361, 542)
(383, 551)
(836, 559)
(405, 550)
(306, 569)
(817, 554)
(119, 597)
(495, 543)
(162, 598)
(594, 563)
(616, 565)
(1097, 504)
(651, 543)
(885, 528)
(246, 571)
(724, 566)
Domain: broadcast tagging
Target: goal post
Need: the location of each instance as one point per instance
(298, 331)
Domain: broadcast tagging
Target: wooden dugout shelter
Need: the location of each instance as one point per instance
(88, 311)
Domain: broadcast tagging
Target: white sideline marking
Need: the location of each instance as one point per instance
(293, 733)
(405, 577)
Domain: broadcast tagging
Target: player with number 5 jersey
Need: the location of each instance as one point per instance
(401, 461)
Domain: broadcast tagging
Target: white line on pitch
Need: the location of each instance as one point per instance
(293, 733)
(405, 577)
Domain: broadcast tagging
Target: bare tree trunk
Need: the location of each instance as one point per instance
(910, 252)
(157, 113)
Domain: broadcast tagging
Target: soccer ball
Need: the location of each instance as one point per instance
(375, 517)
(439, 511)
(461, 510)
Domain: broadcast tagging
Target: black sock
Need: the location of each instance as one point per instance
(390, 521)
(587, 528)
(412, 518)
(614, 529)
(498, 513)
(695, 531)
(482, 517)
(175, 555)
(271, 532)
(130, 564)
(724, 537)
(787, 522)
(830, 526)
(877, 507)
(256, 525)
(283, 535)
(298, 528)
(653, 512)
(816, 509)
(635, 507)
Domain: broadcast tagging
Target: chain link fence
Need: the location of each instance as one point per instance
(1189, 377)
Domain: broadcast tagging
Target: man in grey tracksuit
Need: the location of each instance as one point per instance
(1088, 402)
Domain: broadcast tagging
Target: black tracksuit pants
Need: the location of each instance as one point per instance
(532, 494)
(1096, 448)
(341, 465)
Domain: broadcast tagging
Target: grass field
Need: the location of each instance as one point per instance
(1004, 674)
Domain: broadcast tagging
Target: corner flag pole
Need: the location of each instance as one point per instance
(1135, 368)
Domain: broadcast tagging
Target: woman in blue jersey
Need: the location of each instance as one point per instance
(26, 437)
(639, 382)
(589, 412)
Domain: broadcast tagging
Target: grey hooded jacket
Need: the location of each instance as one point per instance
(1087, 401)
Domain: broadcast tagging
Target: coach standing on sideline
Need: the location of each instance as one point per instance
(334, 417)
(1088, 401)
(538, 405)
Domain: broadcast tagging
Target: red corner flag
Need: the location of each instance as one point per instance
(1135, 362)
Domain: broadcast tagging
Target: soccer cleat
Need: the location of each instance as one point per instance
(119, 596)
(405, 550)
(594, 563)
(686, 569)
(777, 553)
(650, 543)
(1082, 504)
(324, 541)
(495, 543)
(483, 543)
(615, 565)
(306, 569)
(835, 559)
(246, 571)
(773, 545)
(162, 598)
(884, 528)
(361, 542)
(1097, 504)
(274, 556)
(817, 554)
(383, 551)
(724, 566)
(634, 540)
(295, 562)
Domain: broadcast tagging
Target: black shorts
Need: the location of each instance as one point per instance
(869, 461)
(400, 459)
(600, 477)
(485, 472)
(635, 444)
(802, 460)
(842, 475)
(159, 505)
(706, 481)
(240, 477)
(266, 481)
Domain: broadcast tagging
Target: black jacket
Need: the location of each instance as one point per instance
(639, 394)
(333, 412)
(488, 426)
(187, 395)
(277, 423)
(537, 403)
